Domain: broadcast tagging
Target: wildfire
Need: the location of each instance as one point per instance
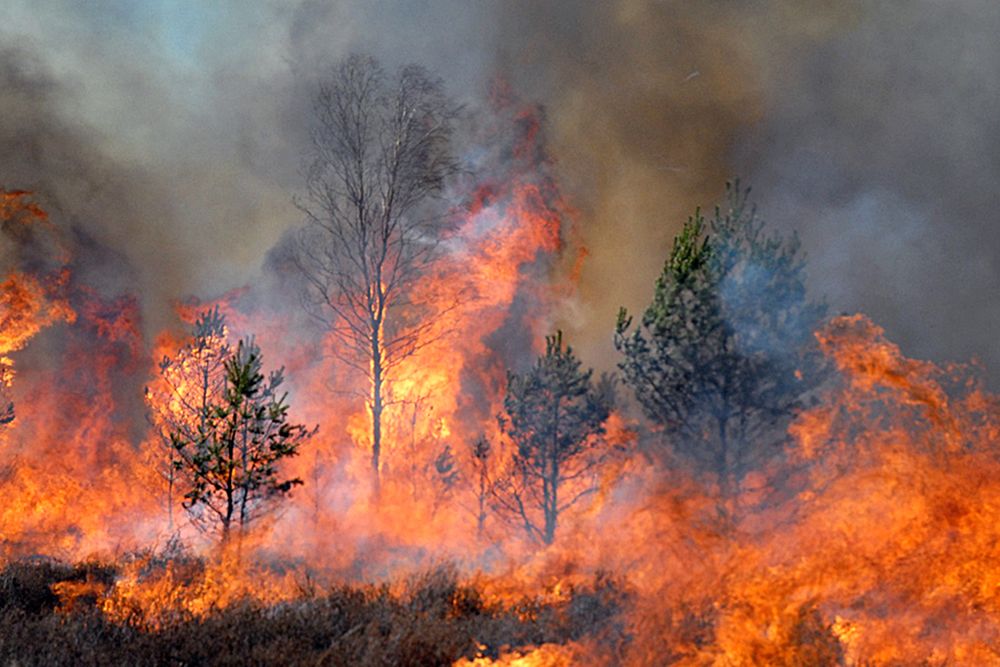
(872, 539)
(546, 655)
(28, 307)
(151, 592)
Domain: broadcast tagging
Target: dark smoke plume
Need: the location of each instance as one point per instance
(173, 134)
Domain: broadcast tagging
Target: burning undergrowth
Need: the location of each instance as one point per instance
(867, 536)
(56, 613)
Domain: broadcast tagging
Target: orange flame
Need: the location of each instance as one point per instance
(874, 540)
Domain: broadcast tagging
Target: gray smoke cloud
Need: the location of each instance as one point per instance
(881, 147)
(173, 131)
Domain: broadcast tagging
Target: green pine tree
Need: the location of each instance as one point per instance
(230, 457)
(554, 414)
(724, 355)
(180, 400)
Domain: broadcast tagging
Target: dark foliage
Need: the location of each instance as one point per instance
(435, 621)
(234, 463)
(226, 428)
(725, 355)
(555, 416)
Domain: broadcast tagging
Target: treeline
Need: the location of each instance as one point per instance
(719, 362)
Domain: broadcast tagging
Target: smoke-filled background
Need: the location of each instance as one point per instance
(170, 135)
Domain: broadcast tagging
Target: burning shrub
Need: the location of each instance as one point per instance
(42, 585)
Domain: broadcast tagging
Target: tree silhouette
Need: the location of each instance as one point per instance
(554, 414)
(725, 353)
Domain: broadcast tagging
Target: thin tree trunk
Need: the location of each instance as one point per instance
(230, 486)
(376, 411)
(722, 469)
(481, 518)
(170, 498)
(552, 511)
(244, 474)
(552, 494)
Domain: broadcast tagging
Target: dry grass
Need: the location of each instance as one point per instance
(435, 621)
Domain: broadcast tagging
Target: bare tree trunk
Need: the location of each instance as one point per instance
(725, 476)
(170, 498)
(243, 487)
(552, 511)
(230, 490)
(552, 487)
(377, 408)
(481, 517)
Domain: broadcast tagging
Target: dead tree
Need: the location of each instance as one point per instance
(380, 156)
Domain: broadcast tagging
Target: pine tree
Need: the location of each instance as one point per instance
(227, 428)
(554, 414)
(234, 463)
(724, 355)
(180, 400)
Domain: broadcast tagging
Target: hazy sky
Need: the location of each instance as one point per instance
(170, 133)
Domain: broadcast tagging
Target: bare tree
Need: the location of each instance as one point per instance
(380, 155)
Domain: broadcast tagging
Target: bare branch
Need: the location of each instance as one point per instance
(380, 154)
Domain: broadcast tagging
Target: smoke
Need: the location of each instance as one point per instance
(646, 100)
(171, 132)
(880, 148)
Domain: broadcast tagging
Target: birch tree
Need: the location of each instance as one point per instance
(380, 156)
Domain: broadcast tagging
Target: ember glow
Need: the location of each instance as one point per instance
(867, 533)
